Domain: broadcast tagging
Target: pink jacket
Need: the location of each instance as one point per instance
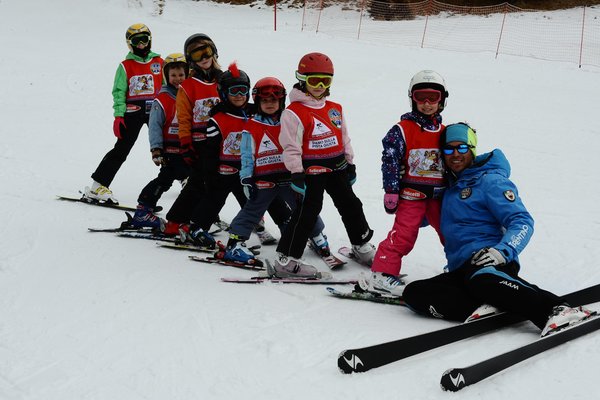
(292, 132)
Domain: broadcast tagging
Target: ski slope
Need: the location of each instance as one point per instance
(93, 316)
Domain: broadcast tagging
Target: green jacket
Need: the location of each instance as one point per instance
(121, 84)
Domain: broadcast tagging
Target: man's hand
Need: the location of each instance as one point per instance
(488, 256)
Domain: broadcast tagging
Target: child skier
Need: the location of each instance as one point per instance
(412, 179)
(222, 154)
(317, 151)
(264, 177)
(197, 96)
(163, 130)
(137, 82)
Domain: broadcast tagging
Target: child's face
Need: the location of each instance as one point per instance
(428, 108)
(202, 55)
(237, 100)
(269, 105)
(176, 76)
(316, 92)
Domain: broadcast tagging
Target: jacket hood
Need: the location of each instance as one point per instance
(494, 162)
(306, 99)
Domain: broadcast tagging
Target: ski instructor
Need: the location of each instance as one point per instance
(486, 226)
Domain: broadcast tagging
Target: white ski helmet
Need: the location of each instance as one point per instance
(428, 79)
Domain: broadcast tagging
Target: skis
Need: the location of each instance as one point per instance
(188, 247)
(304, 281)
(330, 260)
(191, 247)
(457, 378)
(148, 235)
(368, 296)
(214, 260)
(108, 204)
(366, 358)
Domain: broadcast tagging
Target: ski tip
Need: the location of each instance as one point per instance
(453, 380)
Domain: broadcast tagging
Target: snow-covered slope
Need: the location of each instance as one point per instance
(93, 316)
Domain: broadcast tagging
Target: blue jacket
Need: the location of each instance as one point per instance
(482, 208)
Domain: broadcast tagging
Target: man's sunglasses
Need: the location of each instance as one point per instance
(461, 148)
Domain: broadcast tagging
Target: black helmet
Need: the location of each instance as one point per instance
(233, 77)
(198, 38)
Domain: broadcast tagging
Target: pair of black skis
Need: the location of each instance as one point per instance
(367, 358)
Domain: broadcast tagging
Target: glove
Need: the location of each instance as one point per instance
(187, 150)
(157, 157)
(248, 186)
(298, 184)
(351, 170)
(119, 127)
(488, 256)
(390, 202)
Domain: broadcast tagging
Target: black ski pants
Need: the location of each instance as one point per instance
(112, 161)
(174, 169)
(455, 295)
(207, 211)
(336, 184)
(194, 190)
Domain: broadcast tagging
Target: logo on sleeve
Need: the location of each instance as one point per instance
(466, 193)
(510, 195)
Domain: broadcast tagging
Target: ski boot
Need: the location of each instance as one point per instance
(144, 218)
(290, 267)
(99, 193)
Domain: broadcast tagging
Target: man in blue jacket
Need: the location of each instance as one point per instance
(485, 226)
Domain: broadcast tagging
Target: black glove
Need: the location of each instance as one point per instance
(248, 186)
(298, 184)
(351, 170)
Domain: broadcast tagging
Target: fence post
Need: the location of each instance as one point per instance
(362, 8)
(275, 15)
(501, 29)
(426, 21)
(581, 44)
(303, 14)
(319, 18)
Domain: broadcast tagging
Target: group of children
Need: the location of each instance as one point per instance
(205, 132)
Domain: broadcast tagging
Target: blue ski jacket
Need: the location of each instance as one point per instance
(482, 208)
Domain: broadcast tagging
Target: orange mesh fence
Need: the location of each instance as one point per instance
(569, 35)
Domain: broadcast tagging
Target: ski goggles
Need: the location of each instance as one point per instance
(269, 91)
(318, 81)
(461, 148)
(201, 53)
(139, 39)
(238, 90)
(430, 96)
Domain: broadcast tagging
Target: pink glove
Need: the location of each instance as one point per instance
(119, 127)
(390, 202)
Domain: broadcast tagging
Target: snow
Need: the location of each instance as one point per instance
(93, 316)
